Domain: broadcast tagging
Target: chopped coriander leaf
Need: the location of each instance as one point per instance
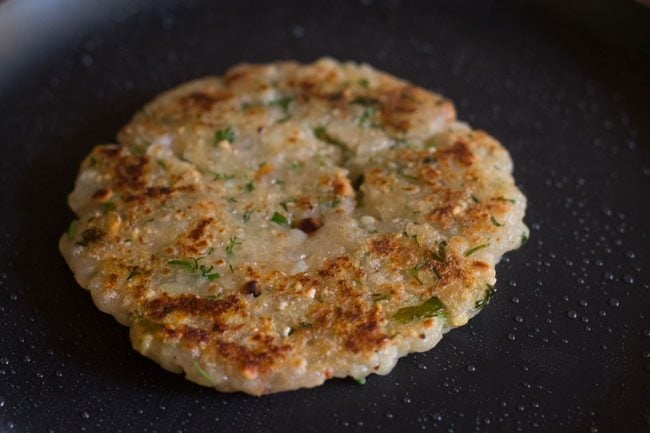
(322, 134)
(138, 150)
(133, 272)
(441, 255)
(161, 164)
(487, 297)
(231, 245)
(247, 215)
(363, 82)
(224, 134)
(495, 222)
(524, 239)
(231, 199)
(510, 200)
(333, 202)
(367, 116)
(109, 206)
(360, 380)
(413, 273)
(150, 326)
(250, 186)
(72, 229)
(203, 373)
(432, 307)
(223, 176)
(283, 103)
(297, 164)
(280, 219)
(376, 297)
(207, 272)
(184, 263)
(475, 249)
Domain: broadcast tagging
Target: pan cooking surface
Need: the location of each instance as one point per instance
(563, 347)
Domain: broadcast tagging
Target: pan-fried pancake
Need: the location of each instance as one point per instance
(285, 224)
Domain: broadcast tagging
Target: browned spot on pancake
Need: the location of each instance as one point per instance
(199, 229)
(480, 265)
(254, 360)
(399, 106)
(159, 308)
(109, 151)
(459, 151)
(337, 265)
(366, 334)
(130, 171)
(382, 246)
(187, 333)
(111, 281)
(203, 100)
(102, 194)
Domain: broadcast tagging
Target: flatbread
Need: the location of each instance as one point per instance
(285, 224)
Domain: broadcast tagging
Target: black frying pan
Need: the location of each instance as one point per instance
(565, 345)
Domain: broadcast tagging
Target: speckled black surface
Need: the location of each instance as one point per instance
(565, 345)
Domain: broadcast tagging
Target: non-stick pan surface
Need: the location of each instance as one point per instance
(565, 345)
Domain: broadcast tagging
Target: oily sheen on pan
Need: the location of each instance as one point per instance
(284, 224)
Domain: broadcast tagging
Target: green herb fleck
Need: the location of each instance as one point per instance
(280, 219)
(475, 249)
(297, 164)
(524, 239)
(495, 222)
(333, 202)
(231, 245)
(150, 327)
(284, 103)
(193, 265)
(432, 307)
(250, 186)
(108, 206)
(72, 229)
(322, 134)
(161, 164)
(487, 297)
(223, 176)
(360, 380)
(367, 116)
(133, 272)
(184, 263)
(376, 297)
(138, 150)
(413, 273)
(224, 134)
(363, 82)
(301, 325)
(247, 215)
(204, 374)
(509, 200)
(441, 255)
